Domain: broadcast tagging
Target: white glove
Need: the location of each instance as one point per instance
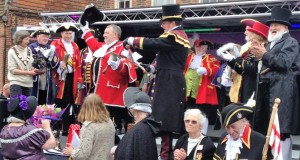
(85, 28)
(114, 64)
(46, 52)
(201, 71)
(236, 51)
(226, 56)
(49, 53)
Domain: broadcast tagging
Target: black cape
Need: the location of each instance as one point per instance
(139, 142)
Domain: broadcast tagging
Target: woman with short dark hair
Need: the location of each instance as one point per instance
(20, 70)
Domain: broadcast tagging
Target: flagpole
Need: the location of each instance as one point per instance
(274, 111)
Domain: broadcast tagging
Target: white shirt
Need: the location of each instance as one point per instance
(197, 61)
(69, 47)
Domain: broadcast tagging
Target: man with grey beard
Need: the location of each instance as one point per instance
(277, 76)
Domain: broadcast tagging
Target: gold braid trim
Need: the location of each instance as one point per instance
(178, 39)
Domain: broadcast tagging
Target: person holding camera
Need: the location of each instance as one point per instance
(46, 61)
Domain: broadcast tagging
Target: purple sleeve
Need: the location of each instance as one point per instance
(39, 138)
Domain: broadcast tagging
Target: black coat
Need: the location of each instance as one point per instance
(281, 60)
(207, 151)
(169, 98)
(139, 142)
(248, 70)
(251, 150)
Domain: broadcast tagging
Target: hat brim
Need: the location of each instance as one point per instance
(235, 112)
(35, 33)
(92, 15)
(248, 22)
(63, 28)
(279, 21)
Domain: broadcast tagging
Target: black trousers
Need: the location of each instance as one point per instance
(67, 101)
(262, 109)
(117, 114)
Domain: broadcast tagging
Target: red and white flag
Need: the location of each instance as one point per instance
(275, 139)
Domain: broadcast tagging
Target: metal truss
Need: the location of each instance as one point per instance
(196, 12)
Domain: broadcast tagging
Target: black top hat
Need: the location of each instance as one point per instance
(22, 107)
(67, 27)
(234, 112)
(171, 12)
(135, 99)
(280, 15)
(91, 14)
(40, 31)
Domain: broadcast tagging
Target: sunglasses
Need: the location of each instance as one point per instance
(190, 121)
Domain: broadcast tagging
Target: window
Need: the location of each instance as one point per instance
(162, 2)
(211, 1)
(123, 3)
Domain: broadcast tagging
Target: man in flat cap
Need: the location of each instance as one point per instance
(111, 70)
(43, 84)
(239, 141)
(280, 63)
(68, 76)
(200, 69)
(169, 98)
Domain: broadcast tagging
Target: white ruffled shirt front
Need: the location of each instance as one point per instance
(233, 148)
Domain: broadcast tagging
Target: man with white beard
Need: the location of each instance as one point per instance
(277, 76)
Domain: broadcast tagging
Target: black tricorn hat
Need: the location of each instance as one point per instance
(171, 12)
(280, 15)
(40, 31)
(67, 27)
(91, 14)
(234, 112)
(22, 107)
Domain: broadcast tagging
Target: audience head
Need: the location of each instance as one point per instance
(41, 35)
(93, 109)
(255, 30)
(279, 23)
(66, 30)
(201, 46)
(112, 33)
(6, 90)
(194, 120)
(171, 17)
(22, 107)
(137, 102)
(21, 38)
(234, 119)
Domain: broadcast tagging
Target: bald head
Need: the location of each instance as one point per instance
(6, 90)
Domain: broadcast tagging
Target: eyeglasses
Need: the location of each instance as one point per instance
(190, 121)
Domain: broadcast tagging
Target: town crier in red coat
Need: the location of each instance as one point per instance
(111, 71)
(68, 76)
(200, 70)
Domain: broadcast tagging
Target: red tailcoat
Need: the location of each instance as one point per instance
(207, 93)
(76, 64)
(110, 84)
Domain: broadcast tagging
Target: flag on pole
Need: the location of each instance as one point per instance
(275, 139)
